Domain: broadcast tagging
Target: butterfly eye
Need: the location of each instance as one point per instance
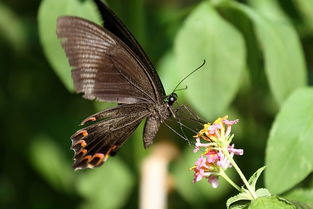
(171, 99)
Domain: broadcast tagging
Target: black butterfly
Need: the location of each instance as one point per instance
(109, 65)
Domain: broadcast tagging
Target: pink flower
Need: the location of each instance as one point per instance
(213, 160)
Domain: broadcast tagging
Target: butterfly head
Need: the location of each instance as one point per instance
(171, 99)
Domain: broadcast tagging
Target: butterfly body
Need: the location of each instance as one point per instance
(109, 65)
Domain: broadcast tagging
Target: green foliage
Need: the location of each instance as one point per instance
(289, 148)
(106, 187)
(47, 16)
(13, 32)
(306, 9)
(50, 162)
(245, 195)
(301, 195)
(283, 56)
(168, 76)
(233, 201)
(254, 178)
(271, 203)
(206, 36)
(257, 52)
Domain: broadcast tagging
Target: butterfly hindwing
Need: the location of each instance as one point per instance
(93, 144)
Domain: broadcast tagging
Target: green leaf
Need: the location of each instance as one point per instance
(139, 152)
(271, 203)
(206, 36)
(199, 192)
(300, 205)
(236, 198)
(48, 12)
(300, 195)
(49, 161)
(289, 156)
(106, 187)
(269, 9)
(240, 205)
(169, 76)
(12, 28)
(253, 179)
(306, 9)
(132, 13)
(262, 192)
(284, 60)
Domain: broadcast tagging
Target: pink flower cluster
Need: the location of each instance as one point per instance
(213, 160)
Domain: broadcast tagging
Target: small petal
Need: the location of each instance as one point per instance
(201, 162)
(212, 156)
(214, 128)
(196, 149)
(223, 161)
(198, 175)
(213, 180)
(230, 122)
(228, 130)
(199, 144)
(235, 151)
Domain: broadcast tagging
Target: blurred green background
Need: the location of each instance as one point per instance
(258, 52)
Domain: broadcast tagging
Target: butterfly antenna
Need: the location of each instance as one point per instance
(186, 87)
(189, 75)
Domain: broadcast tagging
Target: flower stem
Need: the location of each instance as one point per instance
(224, 175)
(234, 164)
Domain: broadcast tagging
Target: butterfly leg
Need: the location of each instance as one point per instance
(178, 134)
(195, 117)
(182, 130)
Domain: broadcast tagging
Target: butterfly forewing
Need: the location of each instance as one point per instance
(116, 26)
(103, 67)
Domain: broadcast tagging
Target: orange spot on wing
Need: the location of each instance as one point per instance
(84, 151)
(107, 154)
(80, 132)
(88, 120)
(80, 154)
(100, 156)
(84, 133)
(81, 142)
(87, 158)
(106, 157)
